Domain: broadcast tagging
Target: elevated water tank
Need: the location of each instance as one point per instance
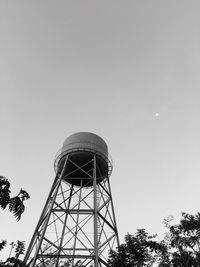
(80, 149)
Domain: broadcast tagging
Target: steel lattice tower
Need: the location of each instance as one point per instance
(77, 224)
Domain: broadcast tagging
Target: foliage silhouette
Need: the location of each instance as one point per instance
(179, 248)
(14, 261)
(140, 249)
(16, 205)
(3, 244)
(4, 192)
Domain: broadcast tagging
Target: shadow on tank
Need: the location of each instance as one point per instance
(79, 168)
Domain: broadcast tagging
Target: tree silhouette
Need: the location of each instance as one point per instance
(138, 250)
(184, 240)
(179, 248)
(15, 204)
(14, 261)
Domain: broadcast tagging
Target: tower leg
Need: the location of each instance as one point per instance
(95, 215)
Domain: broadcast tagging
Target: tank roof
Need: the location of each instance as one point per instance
(86, 140)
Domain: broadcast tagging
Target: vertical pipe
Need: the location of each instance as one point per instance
(95, 215)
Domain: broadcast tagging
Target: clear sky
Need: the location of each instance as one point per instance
(128, 71)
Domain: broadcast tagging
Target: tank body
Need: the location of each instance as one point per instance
(80, 149)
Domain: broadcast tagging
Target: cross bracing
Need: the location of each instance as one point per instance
(78, 221)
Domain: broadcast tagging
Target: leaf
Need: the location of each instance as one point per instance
(23, 195)
(3, 244)
(20, 248)
(16, 206)
(4, 198)
(4, 192)
(4, 182)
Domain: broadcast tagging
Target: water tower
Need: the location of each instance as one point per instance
(77, 224)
